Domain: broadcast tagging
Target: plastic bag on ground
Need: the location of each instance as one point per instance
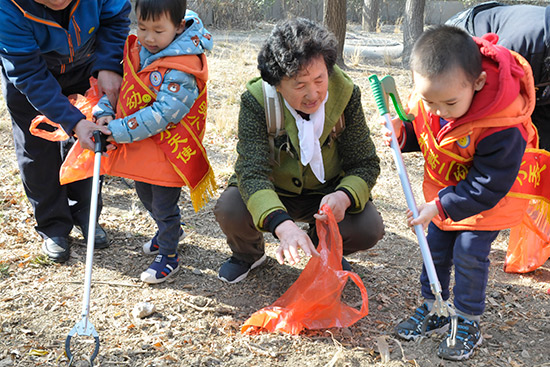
(314, 301)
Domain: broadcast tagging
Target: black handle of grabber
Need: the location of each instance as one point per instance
(100, 141)
(70, 355)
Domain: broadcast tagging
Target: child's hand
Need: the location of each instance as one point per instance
(426, 212)
(104, 120)
(397, 127)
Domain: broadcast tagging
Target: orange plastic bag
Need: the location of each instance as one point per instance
(84, 103)
(79, 162)
(314, 300)
(529, 244)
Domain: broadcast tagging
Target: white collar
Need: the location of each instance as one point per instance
(309, 132)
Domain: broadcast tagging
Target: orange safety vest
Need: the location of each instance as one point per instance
(173, 158)
(448, 161)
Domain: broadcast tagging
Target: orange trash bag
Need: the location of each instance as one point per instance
(529, 244)
(79, 162)
(314, 300)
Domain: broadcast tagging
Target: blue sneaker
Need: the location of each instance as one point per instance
(411, 329)
(163, 267)
(151, 247)
(467, 337)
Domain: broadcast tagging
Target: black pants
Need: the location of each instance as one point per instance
(359, 231)
(56, 208)
(541, 119)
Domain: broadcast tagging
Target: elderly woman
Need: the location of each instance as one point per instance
(322, 154)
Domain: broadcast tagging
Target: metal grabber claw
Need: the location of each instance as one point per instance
(84, 327)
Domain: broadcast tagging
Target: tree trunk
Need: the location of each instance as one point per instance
(335, 21)
(413, 26)
(370, 14)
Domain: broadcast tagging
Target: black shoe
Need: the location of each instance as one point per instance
(57, 249)
(100, 239)
(235, 270)
(345, 264)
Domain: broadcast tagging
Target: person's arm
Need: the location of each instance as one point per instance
(175, 98)
(114, 25)
(495, 167)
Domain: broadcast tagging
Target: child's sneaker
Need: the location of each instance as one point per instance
(151, 247)
(468, 338)
(163, 267)
(411, 329)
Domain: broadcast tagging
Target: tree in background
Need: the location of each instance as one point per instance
(370, 13)
(335, 21)
(413, 26)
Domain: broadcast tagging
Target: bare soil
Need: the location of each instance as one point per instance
(198, 318)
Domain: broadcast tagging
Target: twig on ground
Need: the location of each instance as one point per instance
(104, 282)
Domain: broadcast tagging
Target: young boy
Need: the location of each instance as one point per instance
(472, 101)
(161, 112)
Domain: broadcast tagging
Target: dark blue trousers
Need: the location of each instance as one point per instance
(56, 208)
(162, 204)
(469, 252)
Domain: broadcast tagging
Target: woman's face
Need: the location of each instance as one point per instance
(306, 91)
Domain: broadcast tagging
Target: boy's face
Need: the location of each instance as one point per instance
(156, 35)
(448, 95)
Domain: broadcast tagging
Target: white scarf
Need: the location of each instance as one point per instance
(309, 132)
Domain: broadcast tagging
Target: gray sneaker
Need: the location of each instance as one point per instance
(411, 329)
(467, 337)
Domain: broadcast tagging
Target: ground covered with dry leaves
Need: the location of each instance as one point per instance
(197, 318)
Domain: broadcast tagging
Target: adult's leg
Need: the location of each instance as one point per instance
(39, 161)
(245, 241)
(541, 119)
(162, 204)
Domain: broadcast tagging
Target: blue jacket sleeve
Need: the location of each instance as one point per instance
(30, 75)
(114, 26)
(495, 167)
(175, 98)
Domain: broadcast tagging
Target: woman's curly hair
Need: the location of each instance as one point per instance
(292, 45)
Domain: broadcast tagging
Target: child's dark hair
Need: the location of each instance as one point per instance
(442, 48)
(154, 9)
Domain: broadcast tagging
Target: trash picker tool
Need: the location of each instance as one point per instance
(84, 327)
(382, 90)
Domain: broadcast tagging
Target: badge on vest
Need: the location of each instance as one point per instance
(464, 142)
(155, 78)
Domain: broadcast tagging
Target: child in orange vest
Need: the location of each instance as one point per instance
(160, 120)
(472, 104)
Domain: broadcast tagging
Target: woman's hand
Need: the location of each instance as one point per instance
(291, 238)
(426, 212)
(338, 201)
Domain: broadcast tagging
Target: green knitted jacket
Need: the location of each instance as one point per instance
(350, 161)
